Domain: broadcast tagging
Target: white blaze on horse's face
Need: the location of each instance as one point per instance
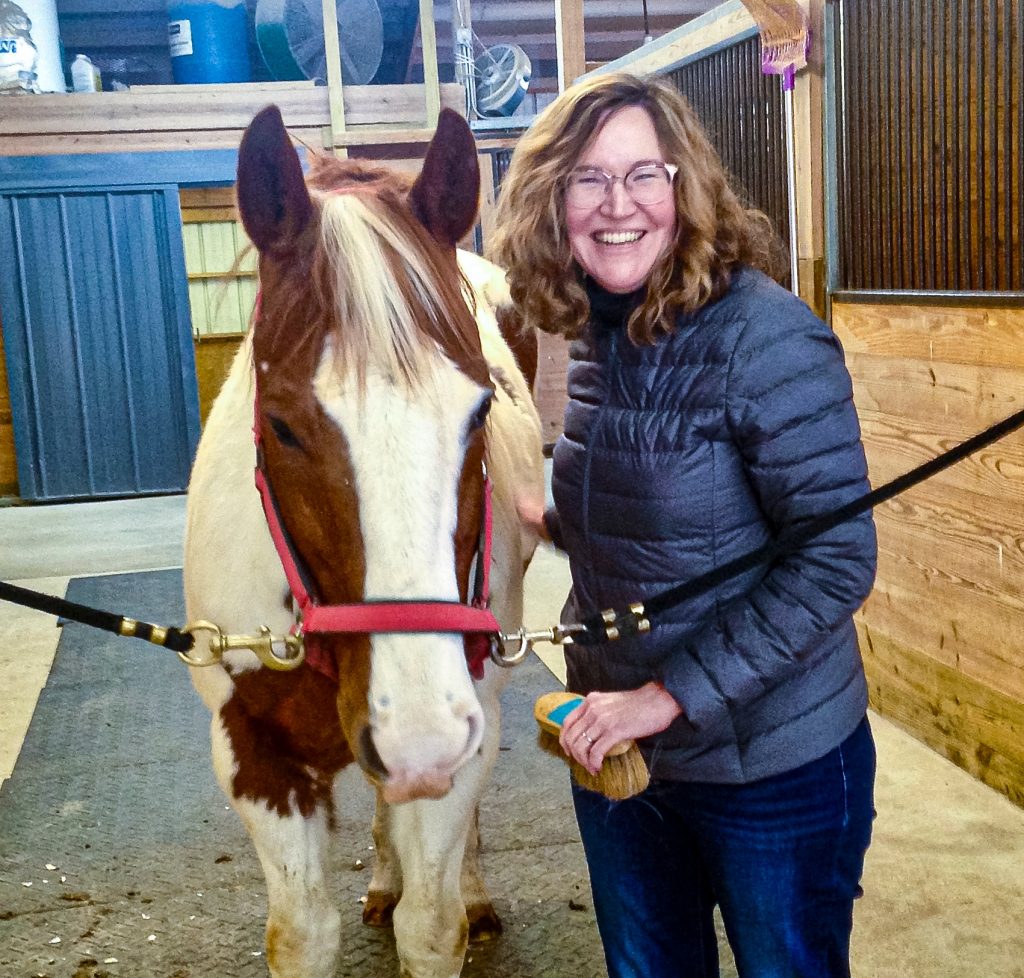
(406, 450)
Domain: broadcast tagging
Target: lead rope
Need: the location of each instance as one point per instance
(613, 624)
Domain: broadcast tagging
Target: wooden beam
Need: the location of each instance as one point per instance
(335, 86)
(428, 44)
(569, 41)
(809, 125)
(719, 28)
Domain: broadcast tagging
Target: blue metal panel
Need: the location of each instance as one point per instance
(98, 341)
(206, 168)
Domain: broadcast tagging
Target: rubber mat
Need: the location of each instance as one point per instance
(119, 856)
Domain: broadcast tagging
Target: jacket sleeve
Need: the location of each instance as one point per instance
(790, 412)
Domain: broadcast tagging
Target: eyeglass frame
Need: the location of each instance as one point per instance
(610, 178)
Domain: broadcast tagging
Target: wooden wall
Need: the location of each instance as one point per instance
(943, 631)
(8, 464)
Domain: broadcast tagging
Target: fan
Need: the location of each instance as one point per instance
(503, 76)
(290, 34)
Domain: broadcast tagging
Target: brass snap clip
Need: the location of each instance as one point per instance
(281, 653)
(510, 648)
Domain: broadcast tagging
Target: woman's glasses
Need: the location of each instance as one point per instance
(646, 183)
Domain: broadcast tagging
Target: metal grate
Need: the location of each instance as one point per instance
(931, 168)
(744, 115)
(500, 160)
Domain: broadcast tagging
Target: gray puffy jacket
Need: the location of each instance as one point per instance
(680, 456)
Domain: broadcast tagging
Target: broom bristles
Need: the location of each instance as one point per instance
(621, 776)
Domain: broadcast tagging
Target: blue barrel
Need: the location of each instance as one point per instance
(209, 42)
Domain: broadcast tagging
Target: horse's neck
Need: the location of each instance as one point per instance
(232, 569)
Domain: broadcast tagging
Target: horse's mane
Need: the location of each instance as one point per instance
(398, 295)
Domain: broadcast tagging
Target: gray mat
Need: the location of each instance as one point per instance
(154, 876)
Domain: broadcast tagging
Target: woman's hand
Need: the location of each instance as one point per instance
(606, 719)
(531, 515)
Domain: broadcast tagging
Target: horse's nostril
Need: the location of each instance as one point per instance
(473, 741)
(369, 760)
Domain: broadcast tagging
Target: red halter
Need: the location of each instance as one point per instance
(475, 621)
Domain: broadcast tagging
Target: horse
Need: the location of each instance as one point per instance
(386, 418)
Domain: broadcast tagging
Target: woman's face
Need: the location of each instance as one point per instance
(617, 242)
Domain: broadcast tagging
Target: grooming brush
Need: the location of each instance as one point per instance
(623, 772)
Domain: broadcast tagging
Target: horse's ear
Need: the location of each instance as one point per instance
(272, 197)
(446, 194)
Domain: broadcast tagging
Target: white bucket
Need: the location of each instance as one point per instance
(30, 40)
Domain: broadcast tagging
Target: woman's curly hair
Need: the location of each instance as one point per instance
(714, 231)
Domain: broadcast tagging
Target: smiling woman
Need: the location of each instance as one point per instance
(709, 412)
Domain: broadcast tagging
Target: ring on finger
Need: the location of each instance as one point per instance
(587, 737)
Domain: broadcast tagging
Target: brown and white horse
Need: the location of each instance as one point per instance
(380, 386)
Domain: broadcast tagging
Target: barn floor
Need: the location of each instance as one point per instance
(136, 868)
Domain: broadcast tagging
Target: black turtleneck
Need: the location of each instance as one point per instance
(611, 310)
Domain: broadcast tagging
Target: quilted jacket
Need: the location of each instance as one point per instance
(679, 456)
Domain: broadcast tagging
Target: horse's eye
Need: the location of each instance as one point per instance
(480, 415)
(285, 435)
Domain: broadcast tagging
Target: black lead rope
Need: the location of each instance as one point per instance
(606, 625)
(169, 638)
(612, 624)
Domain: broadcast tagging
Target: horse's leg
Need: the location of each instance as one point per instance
(484, 923)
(386, 883)
(303, 925)
(431, 925)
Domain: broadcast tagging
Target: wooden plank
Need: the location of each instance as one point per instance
(214, 355)
(978, 552)
(983, 336)
(952, 621)
(179, 109)
(549, 389)
(59, 144)
(197, 197)
(428, 50)
(335, 82)
(8, 460)
(719, 28)
(966, 394)
(304, 85)
(809, 164)
(896, 445)
(978, 728)
(570, 44)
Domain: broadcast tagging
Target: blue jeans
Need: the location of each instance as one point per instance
(781, 857)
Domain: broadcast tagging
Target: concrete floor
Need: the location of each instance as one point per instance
(944, 882)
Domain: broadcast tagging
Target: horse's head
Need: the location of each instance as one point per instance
(372, 397)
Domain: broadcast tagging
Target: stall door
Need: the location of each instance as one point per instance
(94, 303)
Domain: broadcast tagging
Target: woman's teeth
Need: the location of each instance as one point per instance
(618, 237)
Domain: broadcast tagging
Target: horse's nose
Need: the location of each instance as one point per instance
(420, 751)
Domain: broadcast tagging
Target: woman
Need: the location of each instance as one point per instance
(709, 412)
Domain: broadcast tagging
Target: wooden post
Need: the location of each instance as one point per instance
(809, 124)
(428, 44)
(569, 42)
(335, 94)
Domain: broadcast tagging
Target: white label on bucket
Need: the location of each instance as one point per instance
(179, 36)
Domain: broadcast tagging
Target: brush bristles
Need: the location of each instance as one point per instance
(620, 777)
